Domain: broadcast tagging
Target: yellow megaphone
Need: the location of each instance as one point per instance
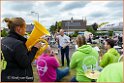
(38, 31)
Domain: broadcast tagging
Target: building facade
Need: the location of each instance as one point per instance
(29, 27)
(74, 25)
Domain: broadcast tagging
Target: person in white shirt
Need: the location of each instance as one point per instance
(64, 42)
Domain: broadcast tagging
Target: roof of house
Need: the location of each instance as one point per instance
(75, 24)
(29, 27)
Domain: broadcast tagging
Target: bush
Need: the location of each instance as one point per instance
(4, 33)
(90, 29)
(97, 34)
(110, 33)
(75, 34)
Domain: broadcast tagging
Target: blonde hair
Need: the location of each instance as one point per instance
(80, 40)
(48, 49)
(14, 22)
(61, 30)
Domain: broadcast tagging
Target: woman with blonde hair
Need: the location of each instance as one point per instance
(16, 54)
(48, 67)
(83, 59)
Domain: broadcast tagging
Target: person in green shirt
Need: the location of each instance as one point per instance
(111, 56)
(112, 73)
(83, 59)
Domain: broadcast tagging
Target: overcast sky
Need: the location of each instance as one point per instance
(50, 12)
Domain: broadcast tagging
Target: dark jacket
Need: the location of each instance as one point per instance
(18, 59)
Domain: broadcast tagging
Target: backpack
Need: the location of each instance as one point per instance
(3, 62)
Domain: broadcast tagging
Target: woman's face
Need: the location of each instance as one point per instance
(22, 30)
(106, 45)
(78, 42)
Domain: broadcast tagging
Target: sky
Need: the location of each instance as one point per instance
(51, 11)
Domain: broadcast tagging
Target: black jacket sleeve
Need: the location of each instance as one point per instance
(22, 56)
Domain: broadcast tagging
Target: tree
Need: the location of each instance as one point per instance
(95, 26)
(59, 25)
(90, 29)
(56, 24)
(102, 24)
(75, 33)
(4, 33)
(110, 33)
(56, 27)
(53, 29)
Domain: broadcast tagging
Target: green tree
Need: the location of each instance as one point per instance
(4, 33)
(90, 29)
(56, 27)
(110, 33)
(52, 29)
(95, 26)
(75, 33)
(59, 25)
(102, 24)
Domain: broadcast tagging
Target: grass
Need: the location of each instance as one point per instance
(65, 79)
(36, 77)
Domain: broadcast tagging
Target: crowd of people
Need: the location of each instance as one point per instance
(84, 59)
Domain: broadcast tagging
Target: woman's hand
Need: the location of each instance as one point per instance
(38, 45)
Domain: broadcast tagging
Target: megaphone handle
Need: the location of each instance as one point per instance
(42, 48)
(45, 43)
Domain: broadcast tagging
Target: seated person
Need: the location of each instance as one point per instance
(122, 51)
(111, 56)
(83, 59)
(47, 67)
(112, 73)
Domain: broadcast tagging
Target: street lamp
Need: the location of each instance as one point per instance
(33, 12)
(68, 28)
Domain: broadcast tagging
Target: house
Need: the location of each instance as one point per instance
(74, 25)
(29, 27)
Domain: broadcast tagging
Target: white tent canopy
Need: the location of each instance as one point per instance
(112, 26)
